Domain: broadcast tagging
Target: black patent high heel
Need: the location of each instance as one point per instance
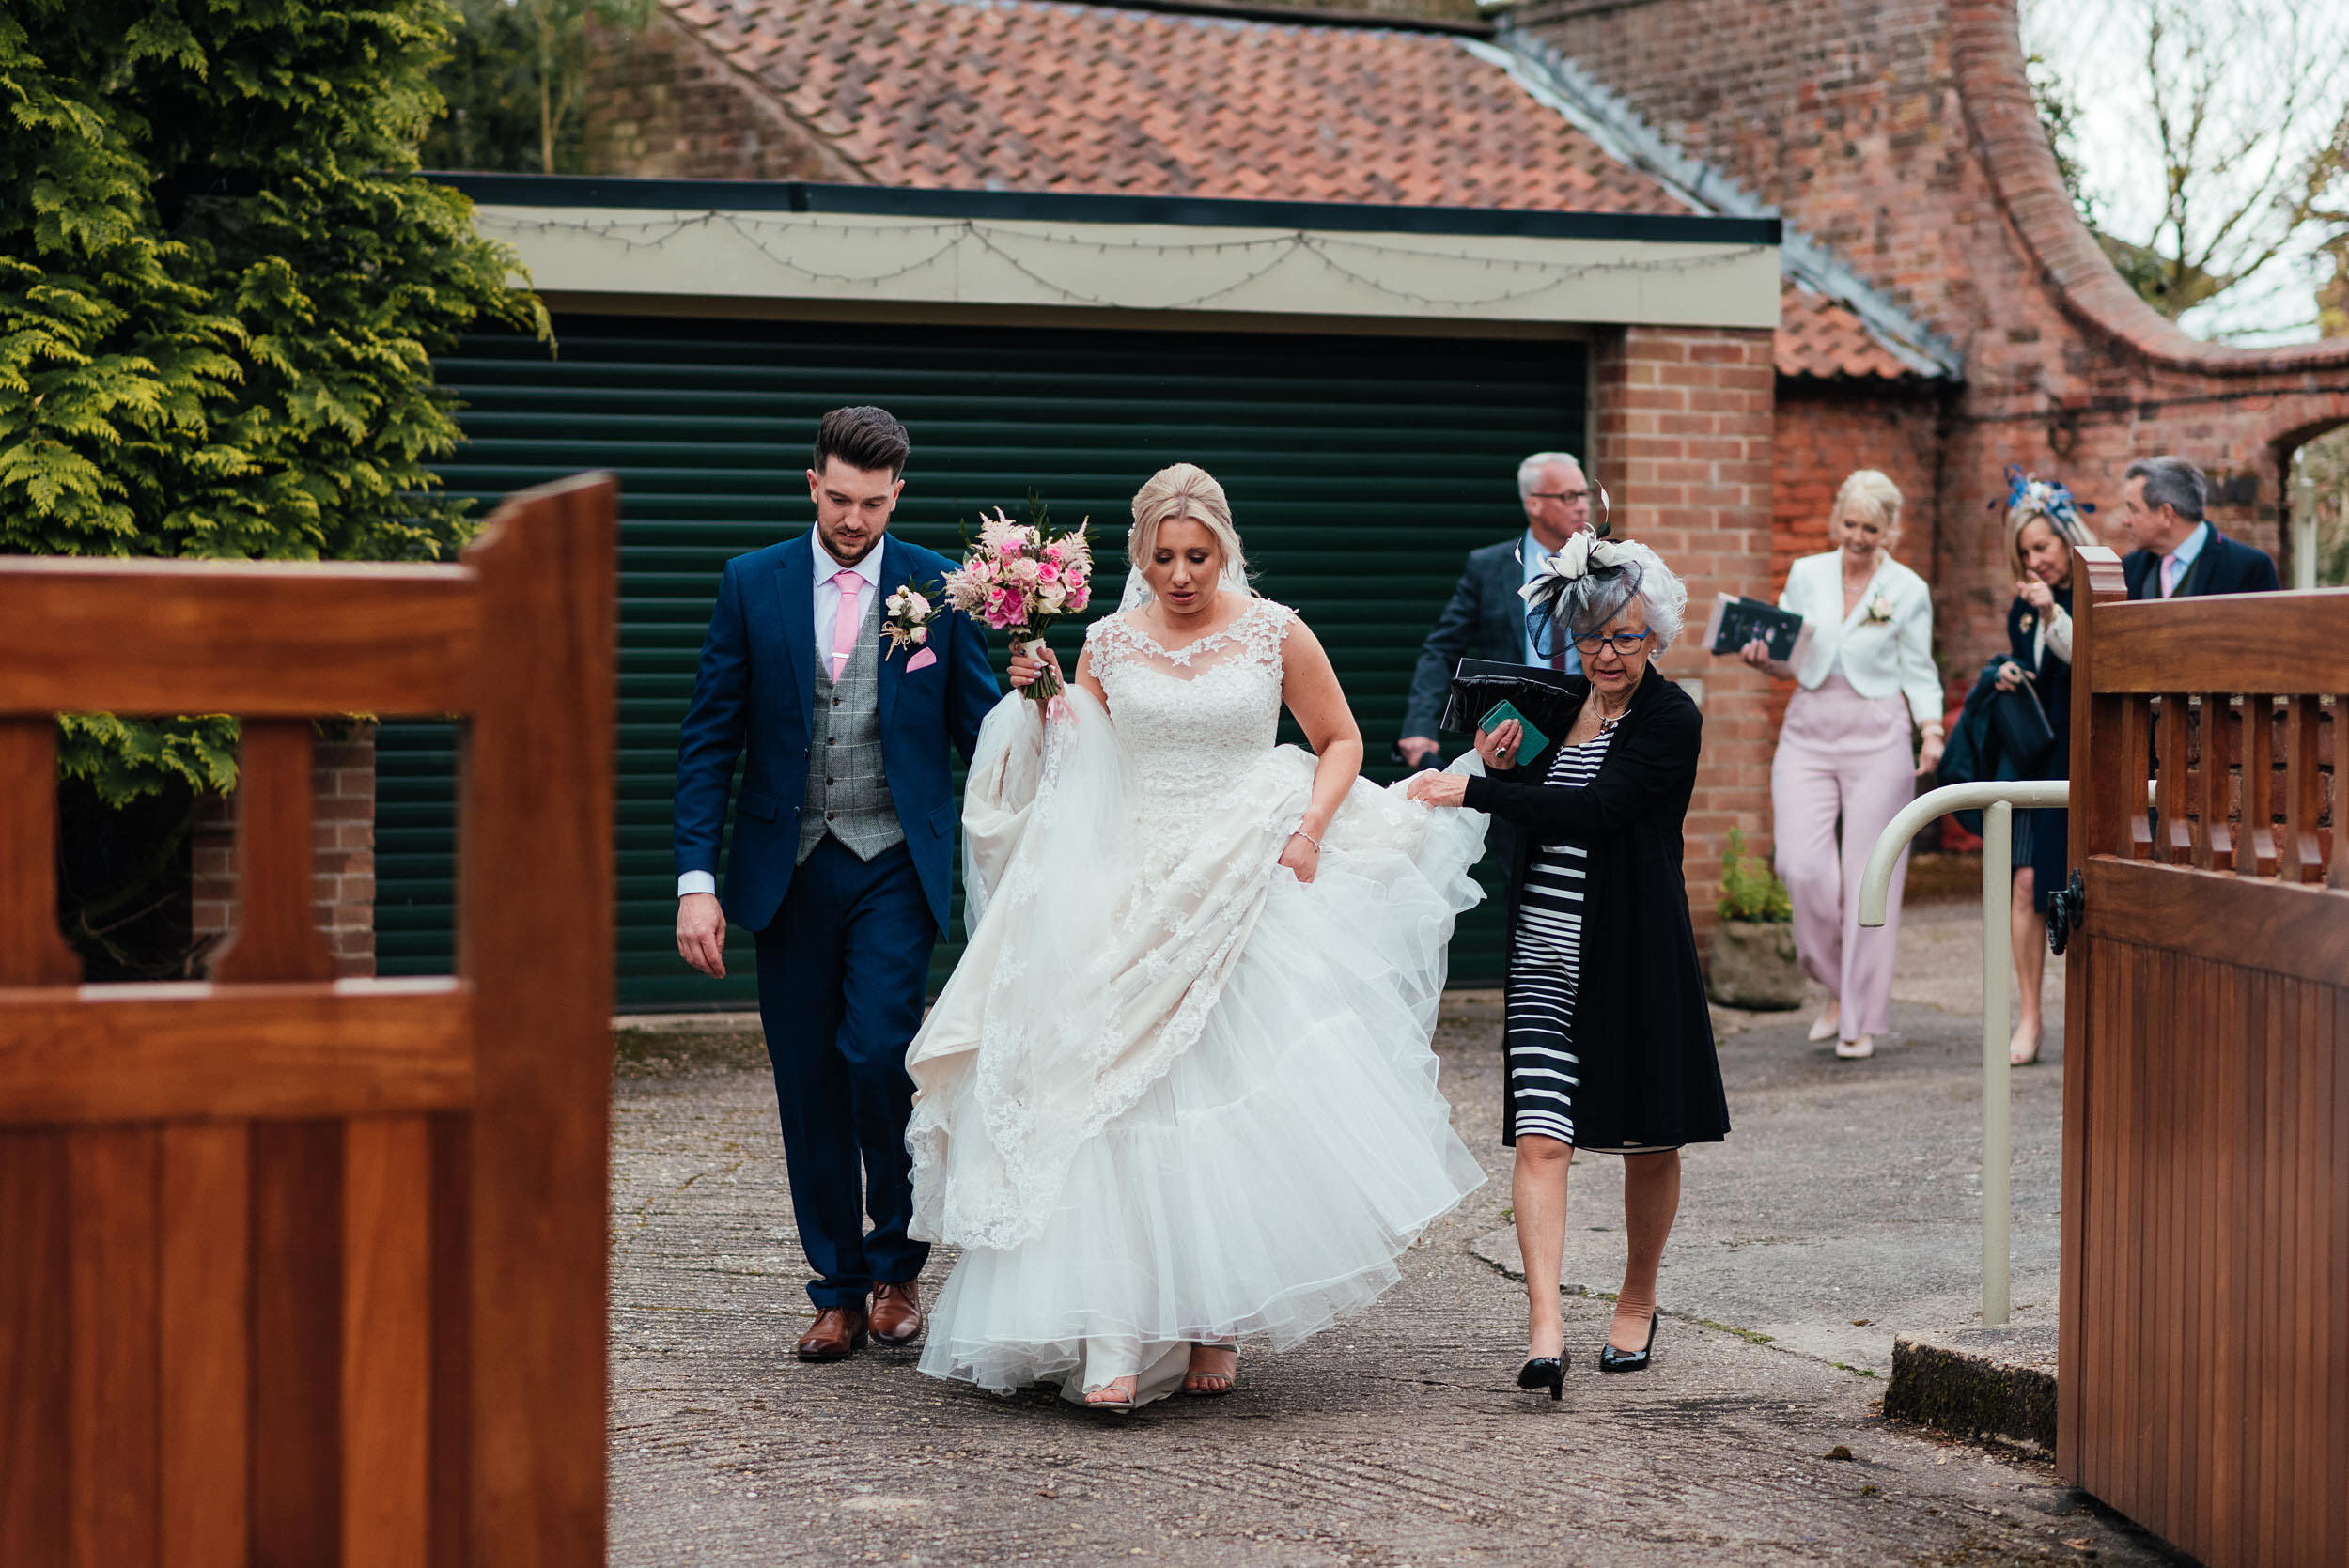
(1612, 1359)
(1547, 1371)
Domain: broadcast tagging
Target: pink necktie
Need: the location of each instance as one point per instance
(2171, 570)
(844, 625)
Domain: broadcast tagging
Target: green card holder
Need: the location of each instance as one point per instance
(1530, 745)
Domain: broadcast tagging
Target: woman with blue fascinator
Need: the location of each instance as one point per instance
(1610, 1041)
(2042, 524)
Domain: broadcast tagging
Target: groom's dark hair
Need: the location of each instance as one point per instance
(862, 437)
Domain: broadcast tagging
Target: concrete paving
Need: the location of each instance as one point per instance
(1847, 1191)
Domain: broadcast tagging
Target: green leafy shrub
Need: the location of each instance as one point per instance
(222, 281)
(1750, 889)
(516, 84)
(221, 284)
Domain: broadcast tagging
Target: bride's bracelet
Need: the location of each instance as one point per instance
(1308, 838)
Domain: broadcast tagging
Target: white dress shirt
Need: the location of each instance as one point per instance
(1881, 655)
(826, 613)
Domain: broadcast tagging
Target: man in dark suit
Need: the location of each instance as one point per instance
(842, 852)
(1485, 618)
(2178, 552)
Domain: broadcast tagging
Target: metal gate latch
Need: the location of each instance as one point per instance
(2066, 908)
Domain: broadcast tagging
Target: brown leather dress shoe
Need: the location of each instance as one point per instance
(897, 1312)
(837, 1334)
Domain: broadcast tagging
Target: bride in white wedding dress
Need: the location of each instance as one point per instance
(1178, 1091)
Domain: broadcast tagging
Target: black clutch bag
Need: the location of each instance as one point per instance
(2021, 720)
(1547, 698)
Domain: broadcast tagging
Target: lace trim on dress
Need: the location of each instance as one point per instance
(1256, 632)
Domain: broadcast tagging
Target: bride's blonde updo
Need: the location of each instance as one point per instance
(1184, 491)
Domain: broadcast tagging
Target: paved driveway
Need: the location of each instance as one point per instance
(1396, 1438)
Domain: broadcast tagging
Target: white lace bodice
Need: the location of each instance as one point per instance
(1193, 719)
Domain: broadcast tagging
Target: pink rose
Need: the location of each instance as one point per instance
(1079, 596)
(1049, 571)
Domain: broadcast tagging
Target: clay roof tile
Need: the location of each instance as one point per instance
(1824, 337)
(1209, 105)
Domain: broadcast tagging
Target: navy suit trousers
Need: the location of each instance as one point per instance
(842, 970)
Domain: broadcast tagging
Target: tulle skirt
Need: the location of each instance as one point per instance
(1264, 1182)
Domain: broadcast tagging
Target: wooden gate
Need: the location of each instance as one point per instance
(2205, 1357)
(294, 1270)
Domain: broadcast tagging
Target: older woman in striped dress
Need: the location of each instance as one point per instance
(1610, 1042)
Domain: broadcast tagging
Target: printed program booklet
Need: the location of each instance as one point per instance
(1737, 621)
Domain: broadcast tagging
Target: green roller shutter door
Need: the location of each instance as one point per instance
(1361, 470)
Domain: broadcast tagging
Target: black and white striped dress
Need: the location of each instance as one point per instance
(1545, 962)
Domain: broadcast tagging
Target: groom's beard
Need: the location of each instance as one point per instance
(846, 553)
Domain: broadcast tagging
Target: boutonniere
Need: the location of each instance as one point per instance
(910, 612)
(2027, 622)
(1879, 609)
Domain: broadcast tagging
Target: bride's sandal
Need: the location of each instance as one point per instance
(1116, 1394)
(1208, 1379)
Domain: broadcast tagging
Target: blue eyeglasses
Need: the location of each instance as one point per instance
(1625, 644)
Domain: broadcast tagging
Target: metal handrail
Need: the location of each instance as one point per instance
(1997, 801)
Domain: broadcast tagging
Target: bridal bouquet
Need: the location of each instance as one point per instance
(1019, 579)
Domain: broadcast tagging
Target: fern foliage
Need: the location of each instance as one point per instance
(221, 284)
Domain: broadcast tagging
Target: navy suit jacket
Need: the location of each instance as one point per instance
(1486, 619)
(2225, 566)
(754, 699)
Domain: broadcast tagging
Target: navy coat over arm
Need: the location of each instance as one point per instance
(754, 699)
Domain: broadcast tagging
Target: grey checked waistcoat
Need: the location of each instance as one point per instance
(848, 795)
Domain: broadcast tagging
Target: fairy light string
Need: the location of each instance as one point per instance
(1027, 252)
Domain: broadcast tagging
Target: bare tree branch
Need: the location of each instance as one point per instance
(2244, 108)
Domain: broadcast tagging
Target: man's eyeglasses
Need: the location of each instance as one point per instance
(1569, 497)
(1625, 644)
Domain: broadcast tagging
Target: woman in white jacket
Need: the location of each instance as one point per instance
(1845, 751)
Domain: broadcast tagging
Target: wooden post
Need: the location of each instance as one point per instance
(535, 929)
(2097, 823)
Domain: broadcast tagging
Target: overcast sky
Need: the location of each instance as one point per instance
(2098, 48)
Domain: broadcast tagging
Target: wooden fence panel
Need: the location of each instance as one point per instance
(2205, 1344)
(298, 1270)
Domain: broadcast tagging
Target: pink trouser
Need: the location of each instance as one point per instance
(1842, 755)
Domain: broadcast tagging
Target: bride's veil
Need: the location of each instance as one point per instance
(1138, 591)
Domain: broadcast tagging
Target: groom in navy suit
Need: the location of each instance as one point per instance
(842, 852)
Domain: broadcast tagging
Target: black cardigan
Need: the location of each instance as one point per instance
(1641, 992)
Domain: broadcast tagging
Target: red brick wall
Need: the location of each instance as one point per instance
(664, 106)
(1900, 134)
(1827, 429)
(1684, 421)
(343, 849)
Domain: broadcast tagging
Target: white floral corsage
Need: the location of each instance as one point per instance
(1879, 609)
(1576, 558)
(911, 614)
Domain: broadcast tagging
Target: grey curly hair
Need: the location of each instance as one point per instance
(1586, 604)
